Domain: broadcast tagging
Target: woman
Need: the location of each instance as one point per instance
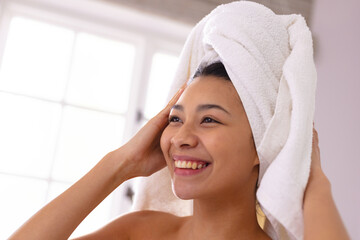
(204, 138)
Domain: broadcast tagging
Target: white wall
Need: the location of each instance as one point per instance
(336, 26)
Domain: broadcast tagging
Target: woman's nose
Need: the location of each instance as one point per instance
(184, 138)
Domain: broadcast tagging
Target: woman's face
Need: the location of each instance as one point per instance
(208, 144)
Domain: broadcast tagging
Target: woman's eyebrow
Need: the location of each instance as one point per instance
(202, 107)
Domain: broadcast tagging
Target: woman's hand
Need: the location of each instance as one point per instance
(317, 178)
(142, 155)
(321, 218)
(317, 175)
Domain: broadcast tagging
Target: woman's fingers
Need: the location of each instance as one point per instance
(315, 135)
(161, 119)
(144, 151)
(165, 112)
(176, 96)
(315, 155)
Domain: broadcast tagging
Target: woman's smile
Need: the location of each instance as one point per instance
(188, 165)
(208, 143)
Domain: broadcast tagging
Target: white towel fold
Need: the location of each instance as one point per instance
(269, 59)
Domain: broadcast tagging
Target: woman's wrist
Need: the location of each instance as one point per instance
(115, 164)
(317, 176)
(318, 184)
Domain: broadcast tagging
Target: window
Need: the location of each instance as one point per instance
(70, 92)
(162, 71)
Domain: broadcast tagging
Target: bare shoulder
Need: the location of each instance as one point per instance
(145, 224)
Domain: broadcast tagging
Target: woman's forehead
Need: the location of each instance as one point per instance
(210, 90)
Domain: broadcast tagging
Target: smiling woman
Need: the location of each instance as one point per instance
(211, 128)
(223, 190)
(197, 145)
(210, 136)
(207, 118)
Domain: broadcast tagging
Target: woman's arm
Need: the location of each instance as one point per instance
(321, 218)
(141, 156)
(59, 218)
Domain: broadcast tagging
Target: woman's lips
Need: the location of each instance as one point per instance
(189, 172)
(188, 158)
(188, 165)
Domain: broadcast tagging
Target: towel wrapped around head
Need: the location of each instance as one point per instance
(269, 59)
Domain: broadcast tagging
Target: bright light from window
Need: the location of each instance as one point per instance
(161, 76)
(64, 98)
(45, 141)
(28, 130)
(36, 59)
(101, 73)
(20, 199)
(86, 136)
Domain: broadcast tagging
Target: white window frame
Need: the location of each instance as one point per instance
(149, 34)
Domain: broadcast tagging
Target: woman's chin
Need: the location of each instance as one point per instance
(184, 192)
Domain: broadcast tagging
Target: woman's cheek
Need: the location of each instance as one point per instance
(216, 140)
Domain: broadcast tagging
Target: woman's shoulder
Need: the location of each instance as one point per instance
(155, 224)
(145, 224)
(150, 217)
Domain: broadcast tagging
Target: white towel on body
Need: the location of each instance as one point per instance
(269, 59)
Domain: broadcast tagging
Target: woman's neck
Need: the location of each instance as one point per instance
(223, 218)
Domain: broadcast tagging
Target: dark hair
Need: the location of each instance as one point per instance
(216, 69)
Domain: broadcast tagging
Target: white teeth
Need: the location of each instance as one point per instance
(194, 165)
(183, 164)
(177, 164)
(189, 164)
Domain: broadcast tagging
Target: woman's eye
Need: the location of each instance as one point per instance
(174, 119)
(209, 120)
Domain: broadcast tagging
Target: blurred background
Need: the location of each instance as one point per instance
(79, 78)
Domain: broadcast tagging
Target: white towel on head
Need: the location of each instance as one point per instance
(269, 59)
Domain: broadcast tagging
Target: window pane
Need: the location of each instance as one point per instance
(36, 58)
(56, 188)
(28, 130)
(162, 72)
(86, 136)
(101, 73)
(20, 199)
